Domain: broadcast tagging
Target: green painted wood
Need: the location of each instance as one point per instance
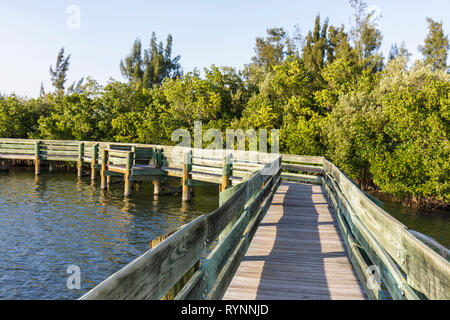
(60, 148)
(81, 151)
(303, 168)
(16, 146)
(226, 275)
(149, 172)
(13, 141)
(302, 159)
(213, 264)
(214, 163)
(18, 151)
(358, 262)
(195, 183)
(217, 270)
(428, 273)
(37, 152)
(17, 156)
(246, 166)
(222, 216)
(59, 152)
(390, 273)
(301, 177)
(207, 169)
(113, 174)
(226, 194)
(59, 157)
(433, 244)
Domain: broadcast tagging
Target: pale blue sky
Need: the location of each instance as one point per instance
(204, 32)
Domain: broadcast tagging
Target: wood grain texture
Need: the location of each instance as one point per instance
(297, 252)
(428, 273)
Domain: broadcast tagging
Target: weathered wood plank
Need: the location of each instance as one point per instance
(17, 151)
(302, 159)
(222, 216)
(214, 263)
(303, 168)
(152, 274)
(390, 273)
(280, 265)
(428, 273)
(301, 177)
(228, 271)
(433, 244)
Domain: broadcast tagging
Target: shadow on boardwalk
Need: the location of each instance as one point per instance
(297, 252)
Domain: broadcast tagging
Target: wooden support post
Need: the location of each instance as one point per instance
(80, 159)
(158, 163)
(187, 167)
(156, 187)
(94, 160)
(128, 168)
(226, 172)
(103, 169)
(37, 158)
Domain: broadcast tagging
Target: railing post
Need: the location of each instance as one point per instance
(158, 163)
(128, 177)
(186, 178)
(37, 158)
(94, 160)
(226, 172)
(103, 168)
(80, 159)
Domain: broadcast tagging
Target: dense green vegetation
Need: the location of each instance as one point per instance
(385, 123)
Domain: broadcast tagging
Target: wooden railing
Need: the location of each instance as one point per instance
(409, 265)
(409, 269)
(198, 260)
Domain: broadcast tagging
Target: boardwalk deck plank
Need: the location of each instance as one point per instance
(297, 252)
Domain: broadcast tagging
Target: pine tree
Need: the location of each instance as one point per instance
(132, 66)
(366, 37)
(42, 91)
(395, 51)
(338, 46)
(436, 46)
(58, 75)
(315, 49)
(153, 66)
(76, 87)
(273, 49)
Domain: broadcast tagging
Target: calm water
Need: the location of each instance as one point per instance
(435, 224)
(49, 223)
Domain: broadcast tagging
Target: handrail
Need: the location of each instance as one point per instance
(234, 223)
(409, 268)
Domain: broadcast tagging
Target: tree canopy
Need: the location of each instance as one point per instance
(149, 67)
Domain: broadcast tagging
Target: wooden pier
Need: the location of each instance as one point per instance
(297, 252)
(317, 235)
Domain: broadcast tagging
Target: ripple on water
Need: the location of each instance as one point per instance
(49, 223)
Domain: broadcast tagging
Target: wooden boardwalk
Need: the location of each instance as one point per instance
(300, 250)
(297, 252)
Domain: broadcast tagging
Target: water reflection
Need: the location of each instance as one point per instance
(435, 224)
(52, 221)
